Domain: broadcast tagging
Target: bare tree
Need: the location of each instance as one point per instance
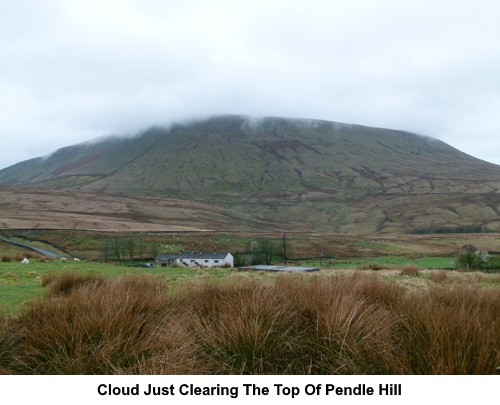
(106, 250)
(131, 248)
(268, 250)
(154, 250)
(118, 248)
(141, 247)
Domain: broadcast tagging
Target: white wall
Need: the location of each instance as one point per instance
(228, 260)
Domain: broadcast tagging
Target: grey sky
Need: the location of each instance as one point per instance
(75, 70)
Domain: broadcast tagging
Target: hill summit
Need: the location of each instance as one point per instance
(319, 174)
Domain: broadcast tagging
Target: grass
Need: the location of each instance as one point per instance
(19, 282)
(328, 323)
(438, 276)
(372, 245)
(410, 270)
(424, 262)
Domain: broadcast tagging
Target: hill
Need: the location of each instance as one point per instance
(297, 173)
(32, 208)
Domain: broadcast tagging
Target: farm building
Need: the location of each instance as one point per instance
(190, 259)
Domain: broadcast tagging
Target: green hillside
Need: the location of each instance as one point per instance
(324, 174)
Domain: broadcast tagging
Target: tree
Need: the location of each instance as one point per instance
(141, 248)
(106, 250)
(154, 250)
(471, 258)
(268, 250)
(131, 248)
(118, 249)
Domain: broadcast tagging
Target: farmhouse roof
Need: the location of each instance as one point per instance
(192, 255)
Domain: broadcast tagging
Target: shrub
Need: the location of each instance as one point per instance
(471, 258)
(6, 258)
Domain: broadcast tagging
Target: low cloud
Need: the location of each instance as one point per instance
(72, 71)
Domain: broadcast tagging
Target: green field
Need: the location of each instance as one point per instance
(20, 282)
(424, 262)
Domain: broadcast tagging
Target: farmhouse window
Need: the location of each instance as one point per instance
(216, 261)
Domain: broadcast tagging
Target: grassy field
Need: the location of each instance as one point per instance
(226, 322)
(20, 282)
(382, 305)
(384, 261)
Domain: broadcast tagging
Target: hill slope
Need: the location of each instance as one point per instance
(31, 208)
(321, 174)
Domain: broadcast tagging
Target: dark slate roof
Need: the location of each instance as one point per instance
(191, 255)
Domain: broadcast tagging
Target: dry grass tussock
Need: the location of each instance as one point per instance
(438, 276)
(65, 283)
(410, 270)
(404, 270)
(319, 325)
(7, 258)
(471, 279)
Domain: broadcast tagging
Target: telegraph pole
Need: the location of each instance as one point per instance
(284, 245)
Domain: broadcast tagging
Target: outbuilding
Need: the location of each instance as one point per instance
(193, 259)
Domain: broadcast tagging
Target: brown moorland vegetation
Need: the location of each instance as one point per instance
(329, 324)
(31, 208)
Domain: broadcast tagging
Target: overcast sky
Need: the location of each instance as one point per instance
(75, 70)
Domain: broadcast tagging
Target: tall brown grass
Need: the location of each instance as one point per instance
(438, 276)
(410, 270)
(320, 325)
(65, 283)
(7, 258)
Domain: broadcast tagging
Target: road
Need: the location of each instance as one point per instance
(35, 249)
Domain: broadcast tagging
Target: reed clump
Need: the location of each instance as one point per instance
(410, 270)
(317, 325)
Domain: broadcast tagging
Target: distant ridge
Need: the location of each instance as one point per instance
(320, 174)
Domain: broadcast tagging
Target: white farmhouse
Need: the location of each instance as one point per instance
(191, 259)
